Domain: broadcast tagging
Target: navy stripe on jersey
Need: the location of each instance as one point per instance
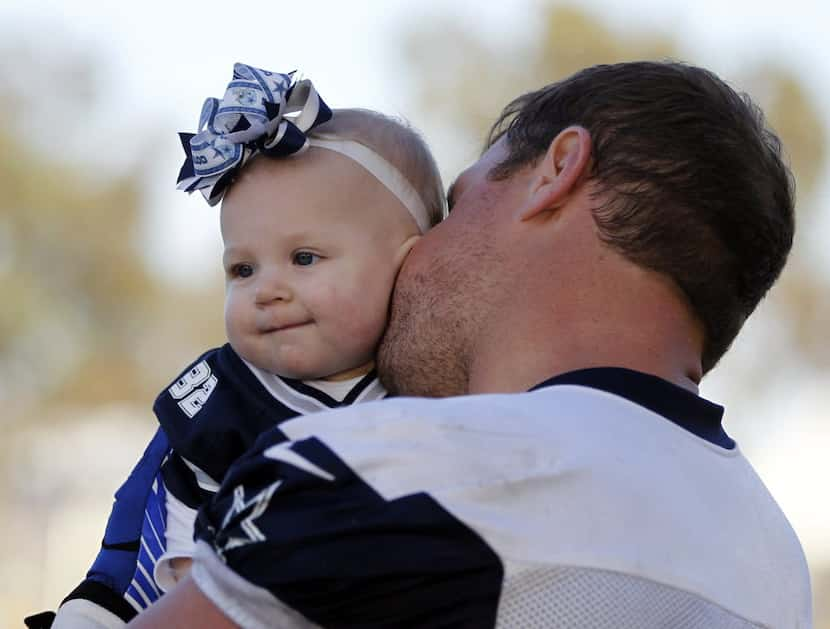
(689, 411)
(351, 397)
(294, 519)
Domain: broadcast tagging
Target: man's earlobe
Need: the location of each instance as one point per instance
(559, 173)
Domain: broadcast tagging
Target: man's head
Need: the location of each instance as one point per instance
(694, 180)
(679, 174)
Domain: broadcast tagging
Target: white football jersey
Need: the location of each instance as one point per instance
(604, 498)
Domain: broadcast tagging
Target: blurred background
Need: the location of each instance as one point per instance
(111, 280)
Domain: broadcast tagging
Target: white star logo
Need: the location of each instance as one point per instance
(258, 505)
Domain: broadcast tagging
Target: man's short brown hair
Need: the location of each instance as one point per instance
(692, 180)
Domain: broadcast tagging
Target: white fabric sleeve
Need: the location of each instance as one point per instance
(248, 605)
(179, 539)
(80, 613)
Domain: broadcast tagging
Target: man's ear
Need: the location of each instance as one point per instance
(559, 172)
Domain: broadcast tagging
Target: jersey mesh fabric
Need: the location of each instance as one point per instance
(567, 597)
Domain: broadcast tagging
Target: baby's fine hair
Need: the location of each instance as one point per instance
(400, 145)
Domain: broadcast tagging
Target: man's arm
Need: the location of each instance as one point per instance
(183, 607)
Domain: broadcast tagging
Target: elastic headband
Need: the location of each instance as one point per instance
(381, 169)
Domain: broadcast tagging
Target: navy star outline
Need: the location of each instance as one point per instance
(282, 84)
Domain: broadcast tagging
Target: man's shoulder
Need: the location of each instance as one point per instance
(562, 457)
(623, 491)
(555, 414)
(401, 446)
(429, 412)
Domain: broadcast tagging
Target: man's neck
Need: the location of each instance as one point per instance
(654, 334)
(511, 378)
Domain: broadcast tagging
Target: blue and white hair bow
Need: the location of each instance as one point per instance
(261, 112)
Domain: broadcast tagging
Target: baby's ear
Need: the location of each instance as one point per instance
(404, 249)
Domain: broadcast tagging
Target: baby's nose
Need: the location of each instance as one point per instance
(270, 289)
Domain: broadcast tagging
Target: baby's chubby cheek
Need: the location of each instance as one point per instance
(360, 317)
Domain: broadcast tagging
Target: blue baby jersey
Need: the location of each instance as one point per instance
(209, 416)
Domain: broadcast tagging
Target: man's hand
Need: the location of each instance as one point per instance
(183, 607)
(180, 566)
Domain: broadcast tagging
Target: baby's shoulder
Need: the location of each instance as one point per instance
(215, 409)
(217, 383)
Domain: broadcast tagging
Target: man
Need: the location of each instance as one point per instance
(598, 259)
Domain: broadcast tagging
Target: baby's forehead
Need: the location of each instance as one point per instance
(323, 170)
(316, 167)
(317, 186)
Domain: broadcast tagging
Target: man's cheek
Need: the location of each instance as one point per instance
(414, 267)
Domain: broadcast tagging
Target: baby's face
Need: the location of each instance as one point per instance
(312, 248)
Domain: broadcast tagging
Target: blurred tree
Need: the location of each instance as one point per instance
(87, 335)
(71, 265)
(83, 322)
(801, 297)
(477, 76)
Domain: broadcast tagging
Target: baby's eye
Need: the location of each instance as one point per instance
(242, 270)
(305, 258)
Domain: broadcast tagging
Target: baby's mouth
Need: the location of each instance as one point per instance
(281, 328)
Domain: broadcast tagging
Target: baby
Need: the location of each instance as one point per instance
(318, 213)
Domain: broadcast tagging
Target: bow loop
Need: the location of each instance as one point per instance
(261, 111)
(288, 139)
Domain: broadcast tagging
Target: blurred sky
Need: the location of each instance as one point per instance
(159, 60)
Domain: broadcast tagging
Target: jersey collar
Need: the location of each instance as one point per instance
(689, 411)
